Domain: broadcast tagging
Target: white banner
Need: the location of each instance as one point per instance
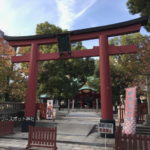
(129, 126)
(49, 110)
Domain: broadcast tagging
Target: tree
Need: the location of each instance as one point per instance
(17, 86)
(94, 81)
(119, 79)
(61, 79)
(137, 64)
(12, 83)
(47, 28)
(129, 69)
(141, 7)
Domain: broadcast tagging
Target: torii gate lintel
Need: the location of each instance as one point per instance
(112, 50)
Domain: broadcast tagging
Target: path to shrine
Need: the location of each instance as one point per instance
(73, 129)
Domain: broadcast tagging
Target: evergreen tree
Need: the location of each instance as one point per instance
(141, 7)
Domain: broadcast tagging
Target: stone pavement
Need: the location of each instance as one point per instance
(73, 133)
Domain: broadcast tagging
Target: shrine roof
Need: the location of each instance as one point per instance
(87, 87)
(141, 20)
(44, 96)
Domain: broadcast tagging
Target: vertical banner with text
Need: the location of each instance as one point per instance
(129, 126)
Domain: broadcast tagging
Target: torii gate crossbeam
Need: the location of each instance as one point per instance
(103, 51)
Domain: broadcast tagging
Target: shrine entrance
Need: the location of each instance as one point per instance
(103, 51)
(87, 98)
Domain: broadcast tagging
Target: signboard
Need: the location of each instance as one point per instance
(129, 126)
(64, 42)
(106, 128)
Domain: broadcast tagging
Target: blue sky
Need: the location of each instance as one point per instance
(20, 17)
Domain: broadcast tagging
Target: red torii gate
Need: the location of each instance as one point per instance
(103, 51)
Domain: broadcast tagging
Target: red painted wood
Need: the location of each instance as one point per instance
(105, 51)
(36, 136)
(118, 137)
(115, 50)
(30, 105)
(135, 143)
(29, 42)
(145, 143)
(41, 139)
(29, 137)
(123, 145)
(106, 95)
(132, 142)
(53, 136)
(140, 142)
(121, 31)
(142, 110)
(112, 50)
(81, 37)
(18, 59)
(46, 137)
(6, 127)
(86, 36)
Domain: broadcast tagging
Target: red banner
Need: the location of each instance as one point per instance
(129, 126)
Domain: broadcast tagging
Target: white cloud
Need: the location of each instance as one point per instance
(90, 3)
(70, 10)
(66, 14)
(21, 17)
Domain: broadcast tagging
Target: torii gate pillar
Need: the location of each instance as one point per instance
(30, 105)
(106, 95)
(32, 83)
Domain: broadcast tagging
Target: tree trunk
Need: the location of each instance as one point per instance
(96, 104)
(73, 104)
(148, 92)
(147, 119)
(68, 105)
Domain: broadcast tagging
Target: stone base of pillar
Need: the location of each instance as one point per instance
(107, 126)
(147, 120)
(25, 125)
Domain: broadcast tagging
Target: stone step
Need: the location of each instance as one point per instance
(80, 110)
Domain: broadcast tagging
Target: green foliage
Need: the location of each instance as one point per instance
(4, 80)
(129, 69)
(119, 78)
(138, 6)
(134, 66)
(17, 86)
(77, 46)
(94, 80)
(141, 7)
(13, 84)
(61, 79)
(46, 28)
(136, 63)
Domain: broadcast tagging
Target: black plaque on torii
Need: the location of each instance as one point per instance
(64, 44)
